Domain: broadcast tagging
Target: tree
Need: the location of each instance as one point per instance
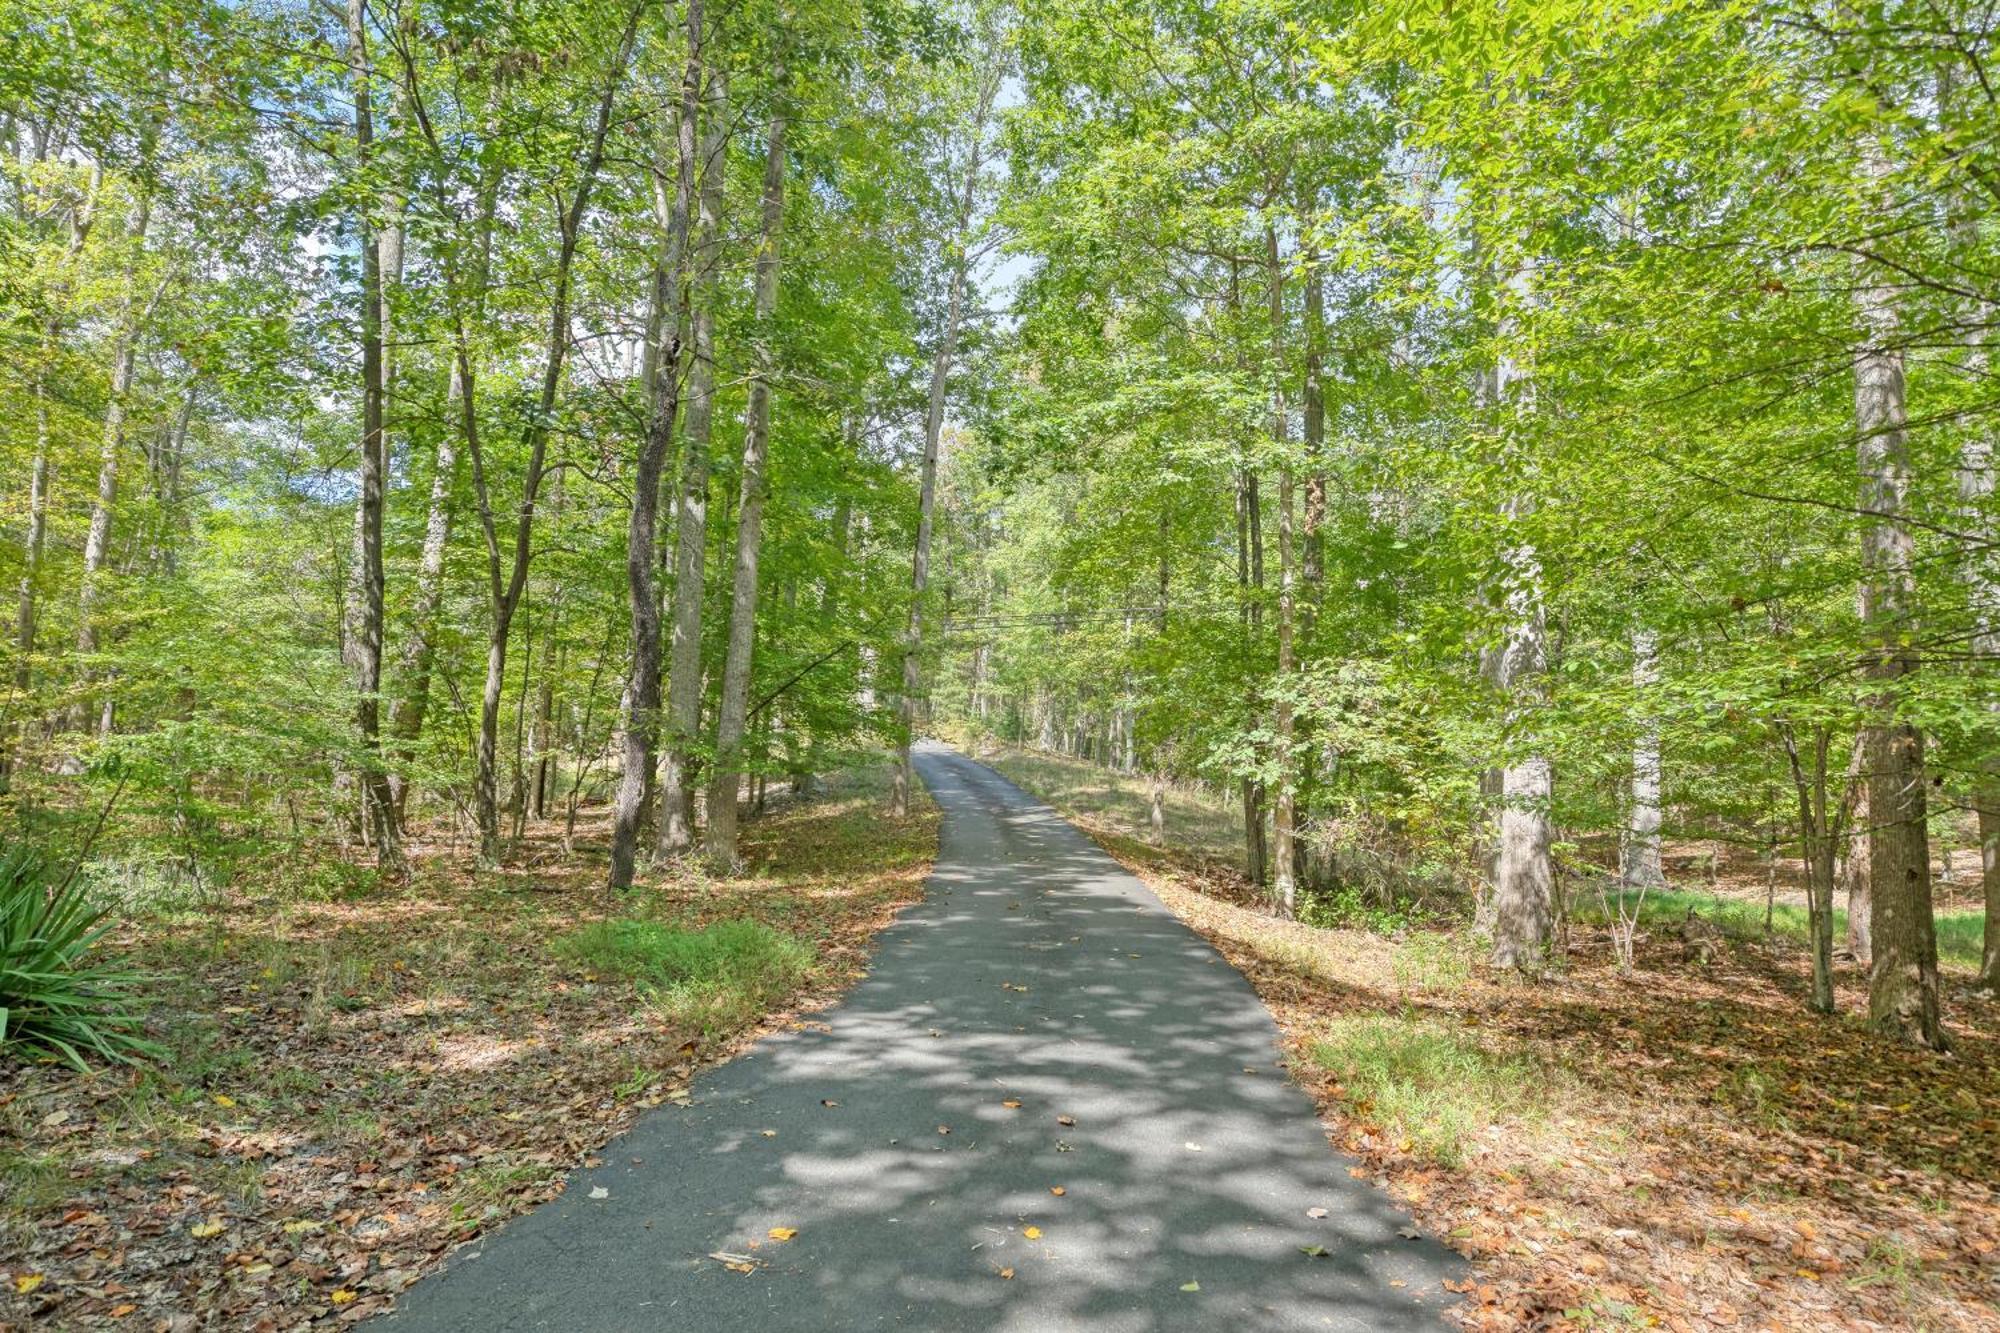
(506, 584)
(642, 690)
(367, 619)
(958, 260)
(732, 713)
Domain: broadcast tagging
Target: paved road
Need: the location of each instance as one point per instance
(1035, 971)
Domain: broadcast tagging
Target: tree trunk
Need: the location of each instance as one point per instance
(1855, 875)
(543, 740)
(920, 564)
(419, 654)
(1640, 864)
(733, 709)
(1524, 879)
(418, 658)
(506, 590)
(97, 543)
(1903, 999)
(1818, 838)
(643, 685)
(365, 631)
(1250, 584)
(165, 463)
(1314, 563)
(683, 722)
(1285, 878)
(31, 570)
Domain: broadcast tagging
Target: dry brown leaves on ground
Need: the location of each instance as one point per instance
(356, 1087)
(1696, 1151)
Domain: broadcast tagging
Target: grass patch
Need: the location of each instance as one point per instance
(716, 977)
(1427, 1085)
(1435, 961)
(1959, 934)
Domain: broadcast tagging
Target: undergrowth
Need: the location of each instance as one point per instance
(1959, 934)
(1426, 1085)
(716, 977)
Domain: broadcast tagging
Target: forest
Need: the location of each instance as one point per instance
(1487, 510)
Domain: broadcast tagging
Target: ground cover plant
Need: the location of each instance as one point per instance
(350, 1085)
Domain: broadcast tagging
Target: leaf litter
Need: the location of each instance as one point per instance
(1723, 1158)
(404, 1071)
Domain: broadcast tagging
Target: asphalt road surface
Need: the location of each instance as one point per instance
(1036, 971)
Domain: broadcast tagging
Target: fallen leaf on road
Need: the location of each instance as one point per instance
(944, 1129)
(1314, 1251)
(1408, 1231)
(1190, 1286)
(1057, 1190)
(1007, 1273)
(769, 1133)
(1012, 1103)
(783, 1233)
(1032, 1233)
(1065, 1120)
(27, 1282)
(341, 1297)
(599, 1192)
(203, 1230)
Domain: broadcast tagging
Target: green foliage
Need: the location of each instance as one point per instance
(1432, 1085)
(56, 997)
(1959, 933)
(1547, 321)
(1351, 906)
(716, 977)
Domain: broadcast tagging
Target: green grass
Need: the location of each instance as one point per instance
(1426, 1083)
(1959, 933)
(1433, 961)
(717, 977)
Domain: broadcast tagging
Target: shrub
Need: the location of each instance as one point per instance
(721, 976)
(1345, 906)
(54, 998)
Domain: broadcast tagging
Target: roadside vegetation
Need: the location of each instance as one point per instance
(1680, 1145)
(346, 1079)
